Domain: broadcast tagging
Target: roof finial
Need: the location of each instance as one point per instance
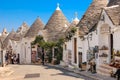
(23, 22)
(4, 30)
(58, 6)
(76, 17)
(37, 16)
(12, 29)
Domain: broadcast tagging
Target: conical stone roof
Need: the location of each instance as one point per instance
(114, 14)
(92, 15)
(23, 28)
(56, 25)
(10, 36)
(73, 24)
(114, 2)
(4, 32)
(35, 28)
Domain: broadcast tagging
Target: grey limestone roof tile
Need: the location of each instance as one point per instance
(56, 26)
(92, 15)
(35, 28)
(114, 14)
(113, 2)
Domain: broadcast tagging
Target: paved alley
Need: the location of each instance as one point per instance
(39, 72)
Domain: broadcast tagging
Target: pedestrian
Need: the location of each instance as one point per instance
(93, 66)
(6, 58)
(43, 56)
(18, 59)
(90, 66)
(118, 74)
(12, 59)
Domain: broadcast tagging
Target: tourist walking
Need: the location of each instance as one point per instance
(6, 58)
(118, 74)
(18, 59)
(43, 56)
(12, 59)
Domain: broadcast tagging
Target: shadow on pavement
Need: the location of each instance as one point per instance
(64, 71)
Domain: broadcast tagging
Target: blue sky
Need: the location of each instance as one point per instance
(14, 12)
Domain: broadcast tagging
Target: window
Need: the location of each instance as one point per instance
(103, 18)
(65, 47)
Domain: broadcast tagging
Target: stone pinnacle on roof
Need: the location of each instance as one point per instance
(74, 23)
(10, 36)
(35, 28)
(24, 24)
(4, 32)
(23, 28)
(56, 25)
(76, 18)
(58, 6)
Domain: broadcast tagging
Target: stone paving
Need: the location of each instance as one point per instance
(39, 72)
(5, 71)
(49, 72)
(87, 74)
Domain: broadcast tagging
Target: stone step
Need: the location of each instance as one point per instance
(104, 70)
(106, 66)
(102, 73)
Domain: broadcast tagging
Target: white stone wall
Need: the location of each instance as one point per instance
(97, 39)
(25, 51)
(66, 52)
(104, 39)
(116, 36)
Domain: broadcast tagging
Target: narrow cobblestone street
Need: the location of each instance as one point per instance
(39, 72)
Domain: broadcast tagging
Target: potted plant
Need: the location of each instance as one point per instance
(104, 47)
(117, 53)
(103, 55)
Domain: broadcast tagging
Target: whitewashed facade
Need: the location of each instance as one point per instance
(105, 32)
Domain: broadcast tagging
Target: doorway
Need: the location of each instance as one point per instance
(75, 50)
(80, 59)
(111, 45)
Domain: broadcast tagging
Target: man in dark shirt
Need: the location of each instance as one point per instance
(118, 74)
(43, 56)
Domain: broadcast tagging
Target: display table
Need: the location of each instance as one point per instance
(116, 62)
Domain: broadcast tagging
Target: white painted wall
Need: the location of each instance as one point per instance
(116, 36)
(25, 51)
(104, 39)
(23, 47)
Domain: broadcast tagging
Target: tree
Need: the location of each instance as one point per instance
(38, 40)
(70, 33)
(49, 45)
